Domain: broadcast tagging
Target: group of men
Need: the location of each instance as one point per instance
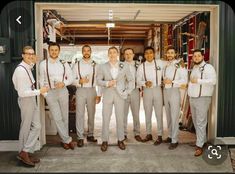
(121, 84)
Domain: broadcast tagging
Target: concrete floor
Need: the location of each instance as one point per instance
(138, 157)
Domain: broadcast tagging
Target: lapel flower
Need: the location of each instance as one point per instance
(201, 68)
(93, 63)
(158, 68)
(121, 65)
(177, 65)
(137, 63)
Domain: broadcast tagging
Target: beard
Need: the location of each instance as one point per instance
(197, 63)
(86, 56)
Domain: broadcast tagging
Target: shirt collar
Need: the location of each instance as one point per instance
(53, 60)
(131, 63)
(115, 65)
(202, 64)
(27, 66)
(86, 62)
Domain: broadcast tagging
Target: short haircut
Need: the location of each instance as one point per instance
(171, 48)
(86, 46)
(198, 50)
(53, 44)
(149, 48)
(27, 48)
(113, 48)
(129, 49)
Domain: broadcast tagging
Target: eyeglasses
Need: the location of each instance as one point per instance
(30, 54)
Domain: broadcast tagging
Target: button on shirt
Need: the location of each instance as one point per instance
(56, 72)
(207, 81)
(150, 71)
(181, 76)
(22, 82)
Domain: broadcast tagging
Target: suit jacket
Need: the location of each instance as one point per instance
(125, 82)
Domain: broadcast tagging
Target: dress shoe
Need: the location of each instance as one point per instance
(91, 139)
(80, 143)
(104, 146)
(72, 145)
(158, 141)
(173, 146)
(24, 157)
(167, 140)
(138, 138)
(148, 138)
(65, 145)
(33, 158)
(121, 145)
(198, 151)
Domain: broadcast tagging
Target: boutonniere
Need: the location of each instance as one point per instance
(201, 68)
(177, 65)
(62, 61)
(158, 68)
(93, 63)
(137, 63)
(121, 65)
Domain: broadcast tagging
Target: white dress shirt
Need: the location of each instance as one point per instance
(114, 70)
(22, 82)
(207, 81)
(181, 75)
(150, 72)
(56, 72)
(86, 70)
(132, 66)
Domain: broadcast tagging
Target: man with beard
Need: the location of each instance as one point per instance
(200, 91)
(174, 75)
(84, 72)
(57, 75)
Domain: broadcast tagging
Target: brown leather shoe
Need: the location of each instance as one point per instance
(173, 146)
(24, 157)
(148, 138)
(104, 146)
(91, 139)
(121, 145)
(33, 158)
(65, 145)
(72, 145)
(158, 141)
(80, 143)
(138, 138)
(198, 151)
(167, 140)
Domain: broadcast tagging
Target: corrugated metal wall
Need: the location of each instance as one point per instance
(9, 111)
(226, 93)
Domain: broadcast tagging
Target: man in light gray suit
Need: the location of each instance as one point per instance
(117, 82)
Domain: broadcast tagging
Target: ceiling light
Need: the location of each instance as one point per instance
(110, 25)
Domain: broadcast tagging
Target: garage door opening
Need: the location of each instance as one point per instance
(136, 25)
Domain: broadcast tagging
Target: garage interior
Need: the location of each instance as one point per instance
(127, 26)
